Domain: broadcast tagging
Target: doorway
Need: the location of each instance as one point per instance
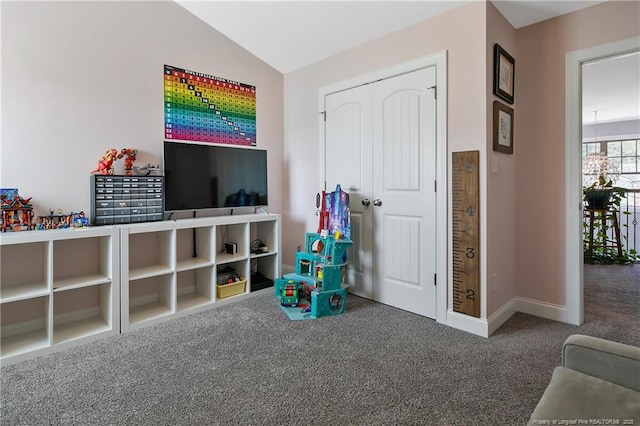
(399, 254)
(573, 169)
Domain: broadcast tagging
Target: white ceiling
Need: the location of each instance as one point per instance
(611, 87)
(289, 35)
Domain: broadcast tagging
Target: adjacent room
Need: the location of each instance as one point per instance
(320, 212)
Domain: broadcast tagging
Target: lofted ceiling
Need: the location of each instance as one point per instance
(290, 35)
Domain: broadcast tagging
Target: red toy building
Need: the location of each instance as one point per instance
(17, 214)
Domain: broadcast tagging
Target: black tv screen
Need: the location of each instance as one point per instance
(213, 177)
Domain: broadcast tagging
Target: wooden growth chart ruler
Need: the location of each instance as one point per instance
(466, 233)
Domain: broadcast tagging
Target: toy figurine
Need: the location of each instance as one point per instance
(62, 221)
(128, 161)
(80, 220)
(147, 170)
(105, 163)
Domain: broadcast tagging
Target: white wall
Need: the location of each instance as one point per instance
(460, 32)
(501, 188)
(540, 138)
(522, 244)
(79, 78)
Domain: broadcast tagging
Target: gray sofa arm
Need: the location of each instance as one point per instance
(612, 361)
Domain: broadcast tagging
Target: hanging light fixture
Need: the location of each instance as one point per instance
(597, 163)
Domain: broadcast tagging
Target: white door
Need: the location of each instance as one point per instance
(394, 169)
(404, 158)
(348, 162)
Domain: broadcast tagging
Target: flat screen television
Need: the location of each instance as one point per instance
(199, 177)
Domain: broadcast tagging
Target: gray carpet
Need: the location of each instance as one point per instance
(246, 363)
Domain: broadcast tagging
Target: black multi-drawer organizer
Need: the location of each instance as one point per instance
(126, 199)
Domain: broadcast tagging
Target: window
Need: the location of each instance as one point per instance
(624, 155)
(624, 158)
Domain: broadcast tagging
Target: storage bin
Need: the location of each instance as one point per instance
(227, 290)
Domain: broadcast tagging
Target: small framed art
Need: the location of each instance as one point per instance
(502, 128)
(504, 74)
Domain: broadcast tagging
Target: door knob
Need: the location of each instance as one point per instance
(377, 202)
(366, 202)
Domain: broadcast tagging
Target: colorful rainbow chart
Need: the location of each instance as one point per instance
(203, 108)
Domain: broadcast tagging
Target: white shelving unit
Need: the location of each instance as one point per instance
(170, 268)
(57, 288)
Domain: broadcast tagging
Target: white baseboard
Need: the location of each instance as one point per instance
(541, 309)
(526, 306)
(502, 315)
(477, 326)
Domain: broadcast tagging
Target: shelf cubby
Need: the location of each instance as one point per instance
(195, 288)
(82, 312)
(25, 326)
(194, 254)
(151, 298)
(232, 233)
(24, 271)
(150, 254)
(240, 267)
(267, 233)
(266, 265)
(81, 262)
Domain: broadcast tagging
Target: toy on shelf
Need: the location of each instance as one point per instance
(147, 170)
(17, 214)
(317, 287)
(105, 163)
(9, 192)
(130, 154)
(62, 221)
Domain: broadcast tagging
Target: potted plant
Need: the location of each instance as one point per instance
(602, 194)
(598, 177)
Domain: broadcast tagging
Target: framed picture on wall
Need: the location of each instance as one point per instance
(504, 71)
(502, 128)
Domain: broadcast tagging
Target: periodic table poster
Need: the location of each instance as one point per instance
(203, 108)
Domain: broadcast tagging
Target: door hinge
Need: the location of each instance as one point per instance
(435, 91)
(324, 115)
(435, 279)
(435, 186)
